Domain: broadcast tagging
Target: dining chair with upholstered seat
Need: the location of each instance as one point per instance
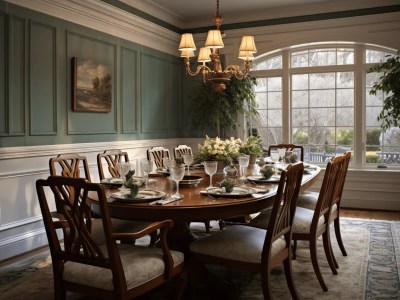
(112, 158)
(109, 270)
(309, 200)
(76, 166)
(255, 249)
(181, 150)
(157, 154)
(298, 150)
(309, 224)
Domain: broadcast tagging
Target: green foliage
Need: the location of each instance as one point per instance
(345, 137)
(300, 137)
(373, 139)
(219, 110)
(389, 83)
(372, 157)
(252, 146)
(228, 184)
(267, 171)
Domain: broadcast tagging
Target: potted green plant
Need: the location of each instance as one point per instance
(389, 83)
(220, 110)
(252, 146)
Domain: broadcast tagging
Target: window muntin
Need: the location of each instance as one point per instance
(332, 95)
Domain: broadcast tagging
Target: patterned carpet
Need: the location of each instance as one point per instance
(370, 271)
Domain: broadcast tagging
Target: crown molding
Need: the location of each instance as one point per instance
(106, 18)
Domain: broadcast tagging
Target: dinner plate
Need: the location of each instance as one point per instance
(262, 179)
(190, 180)
(112, 182)
(236, 193)
(142, 196)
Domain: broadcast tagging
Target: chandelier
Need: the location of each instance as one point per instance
(213, 72)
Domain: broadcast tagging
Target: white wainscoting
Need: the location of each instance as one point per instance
(21, 228)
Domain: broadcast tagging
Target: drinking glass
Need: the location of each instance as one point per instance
(147, 167)
(282, 152)
(123, 169)
(177, 173)
(210, 167)
(275, 156)
(188, 160)
(243, 163)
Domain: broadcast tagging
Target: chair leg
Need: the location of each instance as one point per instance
(287, 264)
(339, 236)
(266, 284)
(294, 249)
(314, 260)
(207, 224)
(326, 239)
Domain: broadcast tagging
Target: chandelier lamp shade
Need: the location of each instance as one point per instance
(210, 64)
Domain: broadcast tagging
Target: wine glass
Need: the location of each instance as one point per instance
(243, 163)
(147, 167)
(177, 173)
(168, 163)
(275, 156)
(188, 160)
(282, 152)
(210, 167)
(123, 169)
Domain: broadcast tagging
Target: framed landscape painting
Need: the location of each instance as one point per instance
(91, 86)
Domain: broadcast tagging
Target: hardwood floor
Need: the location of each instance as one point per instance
(370, 214)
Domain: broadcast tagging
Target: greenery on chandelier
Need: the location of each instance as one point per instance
(220, 110)
(389, 83)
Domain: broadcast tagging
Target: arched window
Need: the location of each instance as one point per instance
(317, 96)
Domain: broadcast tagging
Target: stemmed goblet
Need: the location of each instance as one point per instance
(188, 160)
(282, 152)
(177, 173)
(210, 167)
(147, 167)
(243, 163)
(123, 169)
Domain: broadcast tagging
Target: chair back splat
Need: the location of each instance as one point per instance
(104, 270)
(157, 154)
(112, 158)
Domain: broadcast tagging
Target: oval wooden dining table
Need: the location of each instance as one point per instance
(195, 206)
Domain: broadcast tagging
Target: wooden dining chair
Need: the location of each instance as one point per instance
(157, 154)
(298, 150)
(109, 270)
(112, 158)
(76, 166)
(309, 200)
(181, 150)
(309, 224)
(254, 249)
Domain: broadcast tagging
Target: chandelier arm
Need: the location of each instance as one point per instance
(200, 68)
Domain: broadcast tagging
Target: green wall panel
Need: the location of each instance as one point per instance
(3, 84)
(101, 52)
(154, 88)
(176, 96)
(129, 88)
(42, 80)
(16, 70)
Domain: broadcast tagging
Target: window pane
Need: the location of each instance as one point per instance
(345, 56)
(275, 100)
(322, 98)
(261, 85)
(300, 136)
(261, 100)
(345, 79)
(300, 99)
(275, 118)
(322, 116)
(322, 80)
(300, 82)
(268, 64)
(299, 59)
(300, 117)
(345, 97)
(344, 116)
(274, 84)
(371, 116)
(322, 57)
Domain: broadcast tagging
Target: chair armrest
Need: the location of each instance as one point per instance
(150, 228)
(164, 226)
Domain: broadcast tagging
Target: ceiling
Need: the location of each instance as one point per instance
(198, 13)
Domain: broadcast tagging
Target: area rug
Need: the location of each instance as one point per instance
(370, 271)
